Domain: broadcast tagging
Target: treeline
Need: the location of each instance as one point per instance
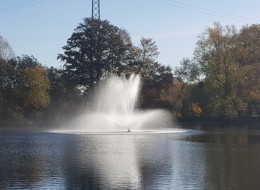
(32, 94)
(220, 82)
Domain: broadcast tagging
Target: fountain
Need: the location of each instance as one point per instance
(114, 110)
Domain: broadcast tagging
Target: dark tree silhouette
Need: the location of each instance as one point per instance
(94, 48)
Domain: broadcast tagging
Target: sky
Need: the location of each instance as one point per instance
(41, 27)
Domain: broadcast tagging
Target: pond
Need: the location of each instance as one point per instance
(204, 157)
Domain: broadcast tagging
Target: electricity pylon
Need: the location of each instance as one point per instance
(96, 9)
(94, 32)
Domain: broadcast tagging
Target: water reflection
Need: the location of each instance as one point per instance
(215, 159)
(27, 160)
(116, 161)
(101, 161)
(232, 156)
(227, 136)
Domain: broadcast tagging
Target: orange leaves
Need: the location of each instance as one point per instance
(196, 109)
(36, 93)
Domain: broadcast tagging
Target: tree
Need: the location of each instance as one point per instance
(95, 47)
(7, 78)
(252, 92)
(248, 44)
(143, 57)
(6, 51)
(149, 50)
(33, 83)
(66, 99)
(7, 92)
(25, 61)
(174, 96)
(216, 52)
(31, 87)
(189, 71)
(156, 77)
(24, 90)
(35, 88)
(249, 60)
(227, 65)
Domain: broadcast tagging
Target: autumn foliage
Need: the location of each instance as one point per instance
(36, 89)
(223, 76)
(221, 81)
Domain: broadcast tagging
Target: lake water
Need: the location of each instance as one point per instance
(202, 158)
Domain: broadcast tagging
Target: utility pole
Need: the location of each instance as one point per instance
(96, 9)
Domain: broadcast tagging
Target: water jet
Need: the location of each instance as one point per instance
(115, 110)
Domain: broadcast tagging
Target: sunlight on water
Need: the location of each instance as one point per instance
(122, 132)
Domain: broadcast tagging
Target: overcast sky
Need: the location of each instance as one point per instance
(41, 27)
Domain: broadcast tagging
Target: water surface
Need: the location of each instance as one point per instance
(202, 158)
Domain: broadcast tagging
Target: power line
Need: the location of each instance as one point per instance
(21, 5)
(17, 5)
(203, 10)
(210, 10)
(234, 6)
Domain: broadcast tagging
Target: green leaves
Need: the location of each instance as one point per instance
(95, 47)
(189, 71)
(227, 61)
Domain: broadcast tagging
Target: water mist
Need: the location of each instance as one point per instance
(114, 109)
